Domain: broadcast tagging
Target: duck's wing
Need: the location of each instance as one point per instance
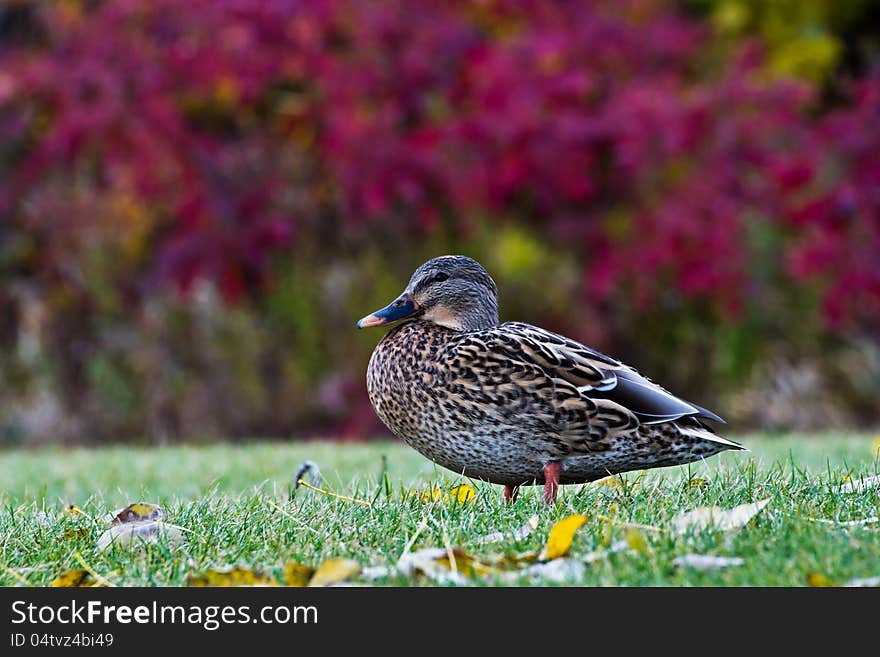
(594, 374)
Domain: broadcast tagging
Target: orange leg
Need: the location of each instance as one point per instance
(551, 482)
(511, 493)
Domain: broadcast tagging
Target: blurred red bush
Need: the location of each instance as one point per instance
(201, 140)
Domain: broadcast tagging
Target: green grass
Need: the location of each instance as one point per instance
(233, 500)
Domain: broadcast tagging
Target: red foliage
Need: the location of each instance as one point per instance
(594, 120)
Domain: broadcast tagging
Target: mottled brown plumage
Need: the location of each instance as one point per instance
(509, 402)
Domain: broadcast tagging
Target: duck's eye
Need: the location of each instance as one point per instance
(439, 278)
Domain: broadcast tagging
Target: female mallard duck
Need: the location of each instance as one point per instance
(515, 404)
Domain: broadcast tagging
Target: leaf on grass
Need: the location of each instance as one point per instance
(426, 561)
(139, 534)
(857, 485)
(875, 446)
(463, 494)
(847, 523)
(636, 541)
(696, 482)
(706, 517)
(78, 577)
(335, 570)
(706, 562)
(864, 581)
(233, 576)
(561, 537)
(819, 580)
(603, 552)
(73, 510)
(521, 533)
(297, 574)
(137, 512)
(557, 571)
(73, 534)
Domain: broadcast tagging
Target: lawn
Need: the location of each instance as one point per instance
(234, 504)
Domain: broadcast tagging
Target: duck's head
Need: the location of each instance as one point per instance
(453, 291)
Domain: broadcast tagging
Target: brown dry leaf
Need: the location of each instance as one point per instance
(706, 562)
(561, 537)
(818, 579)
(426, 561)
(464, 564)
(706, 517)
(334, 570)
(234, 576)
(77, 577)
(72, 534)
(297, 574)
(139, 511)
(139, 534)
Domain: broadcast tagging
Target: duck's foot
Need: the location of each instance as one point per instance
(510, 494)
(551, 482)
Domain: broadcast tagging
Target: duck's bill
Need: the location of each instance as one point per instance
(402, 307)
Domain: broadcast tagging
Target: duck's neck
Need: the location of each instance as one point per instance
(466, 317)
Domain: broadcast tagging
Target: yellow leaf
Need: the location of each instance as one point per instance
(637, 542)
(696, 482)
(875, 445)
(138, 511)
(335, 570)
(78, 577)
(236, 576)
(72, 534)
(818, 579)
(73, 510)
(463, 494)
(297, 574)
(561, 537)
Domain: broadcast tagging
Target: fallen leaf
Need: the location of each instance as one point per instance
(334, 570)
(297, 574)
(464, 563)
(139, 534)
(706, 517)
(72, 534)
(696, 482)
(463, 494)
(427, 562)
(78, 577)
(561, 537)
(233, 576)
(139, 511)
(636, 541)
(818, 579)
(857, 485)
(847, 523)
(521, 533)
(73, 510)
(557, 571)
(864, 581)
(875, 446)
(706, 562)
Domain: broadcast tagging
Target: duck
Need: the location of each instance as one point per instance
(515, 404)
